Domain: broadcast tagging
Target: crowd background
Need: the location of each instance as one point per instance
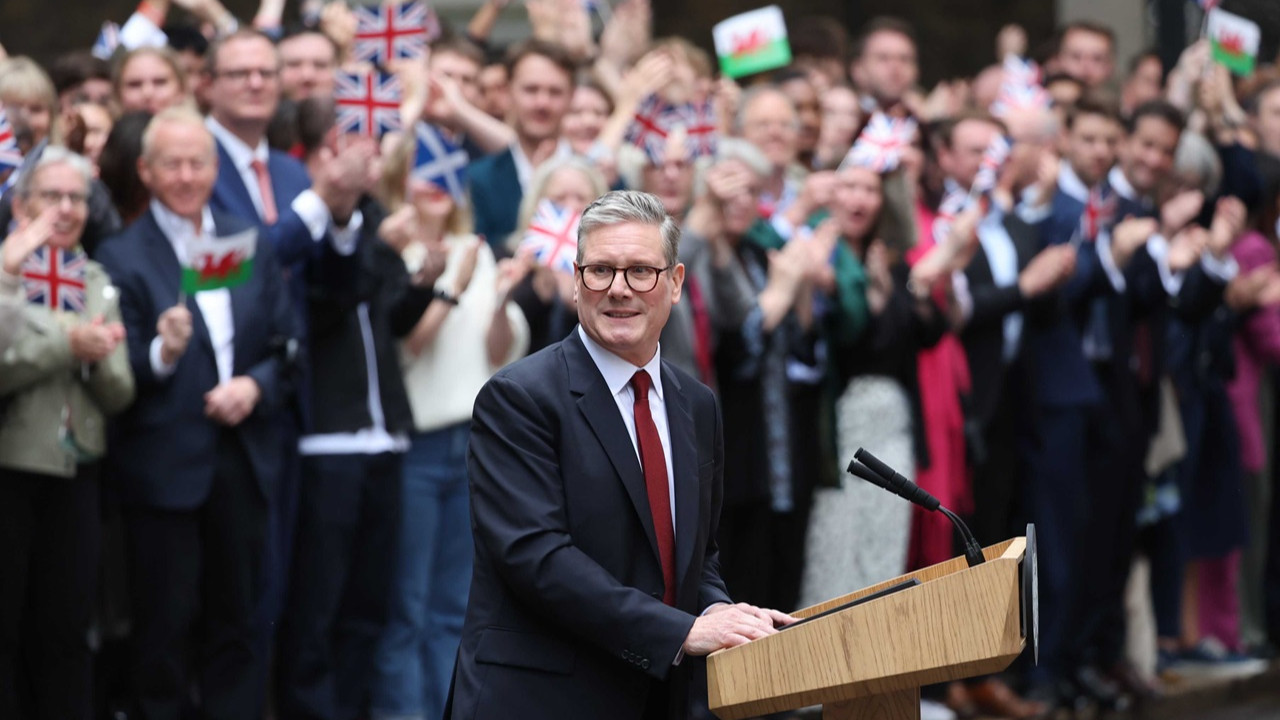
(1076, 331)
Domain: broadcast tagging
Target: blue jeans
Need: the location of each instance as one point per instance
(414, 662)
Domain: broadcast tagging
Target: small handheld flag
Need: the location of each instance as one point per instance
(440, 162)
(55, 278)
(10, 155)
(214, 263)
(1234, 41)
(752, 42)
(881, 144)
(552, 238)
(1099, 213)
(989, 169)
(367, 103)
(655, 119)
(391, 31)
(1020, 88)
(107, 42)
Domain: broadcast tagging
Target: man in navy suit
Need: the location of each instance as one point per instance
(311, 222)
(596, 473)
(198, 453)
(541, 86)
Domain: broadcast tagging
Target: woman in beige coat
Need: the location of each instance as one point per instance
(64, 372)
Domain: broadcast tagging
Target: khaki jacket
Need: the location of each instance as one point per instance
(53, 407)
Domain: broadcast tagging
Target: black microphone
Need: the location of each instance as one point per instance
(870, 468)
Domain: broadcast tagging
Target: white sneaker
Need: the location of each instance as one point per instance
(930, 710)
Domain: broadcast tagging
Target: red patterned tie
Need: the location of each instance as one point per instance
(655, 482)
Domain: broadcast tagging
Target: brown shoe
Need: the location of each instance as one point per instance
(959, 702)
(993, 697)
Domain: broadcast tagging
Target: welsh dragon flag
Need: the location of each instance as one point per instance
(214, 263)
(1234, 41)
(752, 42)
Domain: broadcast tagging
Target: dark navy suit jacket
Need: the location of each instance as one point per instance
(495, 196)
(566, 618)
(164, 447)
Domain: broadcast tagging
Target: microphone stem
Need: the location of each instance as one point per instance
(972, 551)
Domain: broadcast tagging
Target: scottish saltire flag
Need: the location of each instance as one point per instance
(440, 162)
(54, 278)
(107, 42)
(552, 237)
(1099, 212)
(223, 262)
(881, 143)
(367, 103)
(391, 31)
(1020, 89)
(10, 155)
(992, 160)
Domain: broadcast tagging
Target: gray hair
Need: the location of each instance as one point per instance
(177, 115)
(1196, 155)
(751, 96)
(542, 176)
(630, 206)
(53, 155)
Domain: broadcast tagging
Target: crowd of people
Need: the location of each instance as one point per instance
(254, 499)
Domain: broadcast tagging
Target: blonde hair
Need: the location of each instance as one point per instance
(22, 77)
(397, 161)
(163, 53)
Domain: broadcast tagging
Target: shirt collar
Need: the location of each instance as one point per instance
(525, 168)
(242, 156)
(618, 372)
(1071, 184)
(178, 229)
(1118, 182)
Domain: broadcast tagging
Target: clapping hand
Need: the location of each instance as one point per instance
(232, 401)
(31, 234)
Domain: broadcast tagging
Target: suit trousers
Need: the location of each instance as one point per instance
(345, 558)
(196, 574)
(50, 531)
(999, 478)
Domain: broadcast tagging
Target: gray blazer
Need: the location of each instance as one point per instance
(11, 306)
(55, 406)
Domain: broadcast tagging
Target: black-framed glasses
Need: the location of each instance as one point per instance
(640, 278)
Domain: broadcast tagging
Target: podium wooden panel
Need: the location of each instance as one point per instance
(868, 661)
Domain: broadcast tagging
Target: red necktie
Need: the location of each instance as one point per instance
(269, 214)
(654, 463)
(701, 330)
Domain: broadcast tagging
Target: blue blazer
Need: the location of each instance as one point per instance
(565, 618)
(164, 447)
(495, 197)
(1053, 340)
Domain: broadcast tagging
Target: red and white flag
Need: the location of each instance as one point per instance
(552, 238)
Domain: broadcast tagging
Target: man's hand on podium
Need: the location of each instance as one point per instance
(725, 626)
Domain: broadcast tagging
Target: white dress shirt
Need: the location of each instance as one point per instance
(525, 168)
(215, 305)
(617, 376)
(308, 205)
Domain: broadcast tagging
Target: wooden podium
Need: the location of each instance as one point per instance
(868, 661)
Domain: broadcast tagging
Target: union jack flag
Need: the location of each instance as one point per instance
(992, 160)
(649, 126)
(881, 144)
(952, 205)
(1099, 212)
(552, 238)
(440, 162)
(390, 31)
(10, 155)
(368, 103)
(107, 42)
(55, 278)
(702, 125)
(1020, 89)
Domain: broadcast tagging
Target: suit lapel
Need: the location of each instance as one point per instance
(684, 464)
(169, 271)
(601, 412)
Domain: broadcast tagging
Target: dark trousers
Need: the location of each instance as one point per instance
(344, 560)
(762, 552)
(997, 476)
(49, 548)
(194, 581)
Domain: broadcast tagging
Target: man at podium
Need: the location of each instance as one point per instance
(596, 474)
